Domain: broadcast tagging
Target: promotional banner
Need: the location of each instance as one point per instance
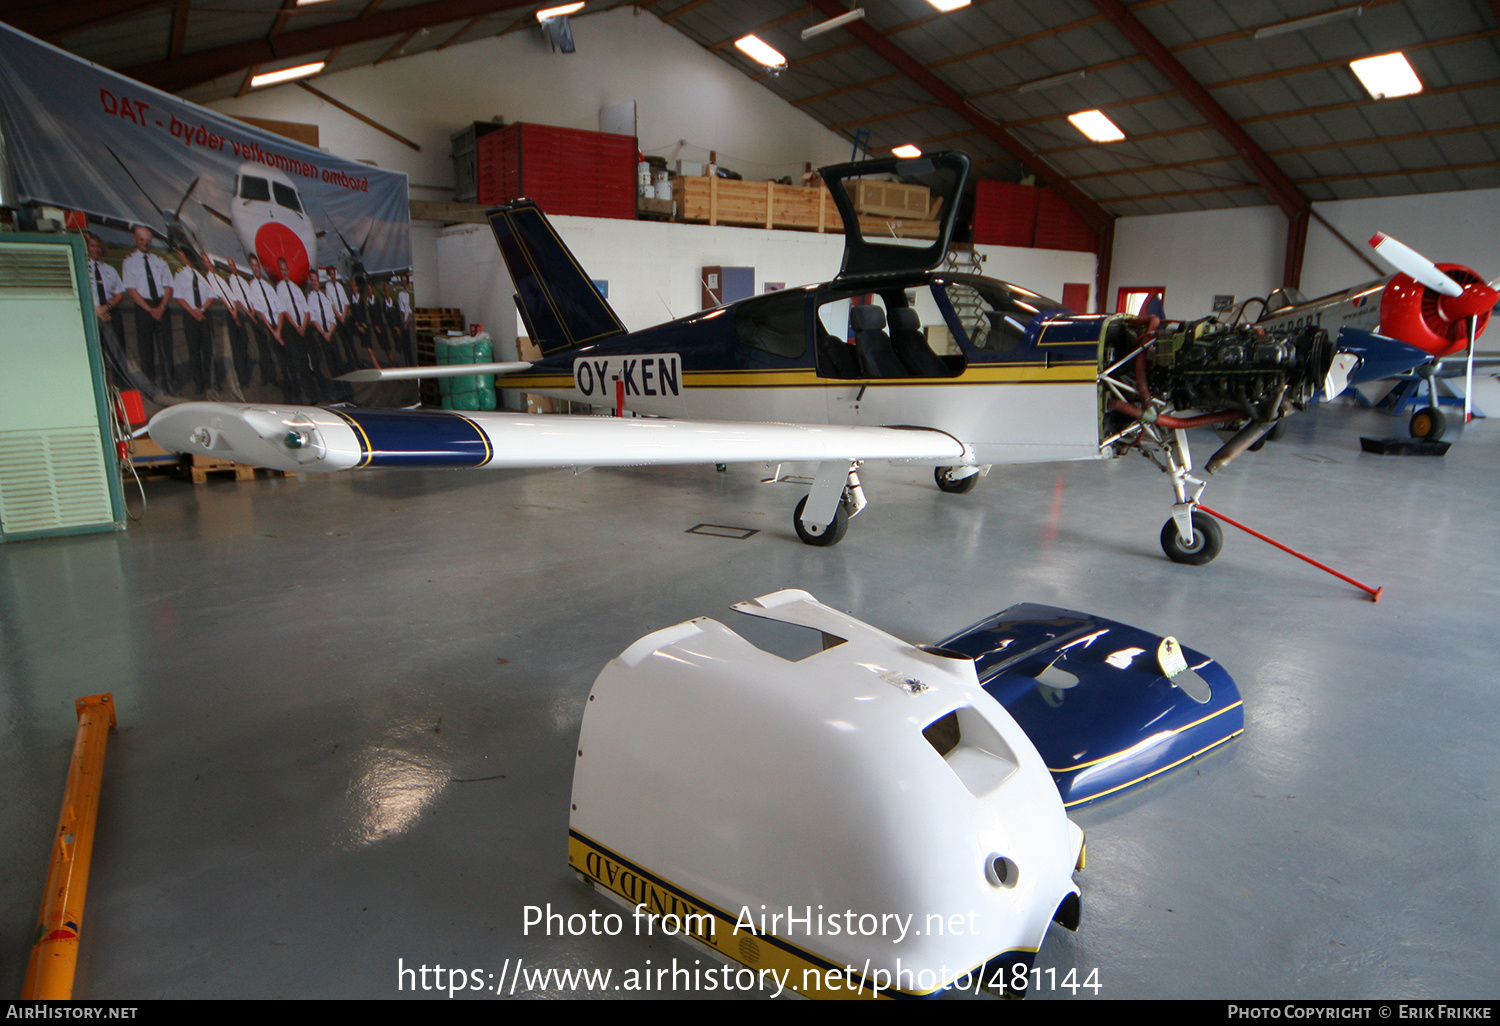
(226, 262)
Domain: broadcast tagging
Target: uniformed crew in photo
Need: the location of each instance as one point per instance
(300, 384)
(148, 280)
(232, 289)
(266, 321)
(192, 294)
(107, 293)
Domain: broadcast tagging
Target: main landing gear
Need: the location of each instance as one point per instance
(958, 480)
(822, 516)
(1428, 424)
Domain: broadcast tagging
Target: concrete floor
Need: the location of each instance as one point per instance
(348, 707)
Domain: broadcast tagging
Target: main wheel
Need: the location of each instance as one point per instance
(1428, 424)
(954, 485)
(831, 534)
(1208, 539)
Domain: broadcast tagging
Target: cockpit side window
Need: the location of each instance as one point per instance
(775, 324)
(252, 188)
(286, 196)
(886, 334)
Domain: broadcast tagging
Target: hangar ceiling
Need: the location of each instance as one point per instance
(1222, 103)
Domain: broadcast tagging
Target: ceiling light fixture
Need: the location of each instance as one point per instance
(948, 5)
(1048, 83)
(547, 14)
(285, 74)
(832, 23)
(1386, 76)
(1312, 21)
(907, 150)
(757, 50)
(1095, 125)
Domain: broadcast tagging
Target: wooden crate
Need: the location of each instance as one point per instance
(711, 200)
(891, 199)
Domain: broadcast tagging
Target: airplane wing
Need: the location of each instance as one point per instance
(311, 438)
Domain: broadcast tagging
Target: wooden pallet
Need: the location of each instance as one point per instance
(434, 320)
(202, 466)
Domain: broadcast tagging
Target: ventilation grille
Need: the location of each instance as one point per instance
(30, 269)
(51, 480)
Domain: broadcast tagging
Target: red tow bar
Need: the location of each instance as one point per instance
(1374, 593)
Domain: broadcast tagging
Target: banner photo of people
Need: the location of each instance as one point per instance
(225, 262)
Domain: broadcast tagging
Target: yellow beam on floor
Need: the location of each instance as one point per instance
(54, 952)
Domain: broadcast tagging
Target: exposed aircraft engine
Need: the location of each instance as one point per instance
(1260, 374)
(1239, 376)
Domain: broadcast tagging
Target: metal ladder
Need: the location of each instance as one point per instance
(963, 258)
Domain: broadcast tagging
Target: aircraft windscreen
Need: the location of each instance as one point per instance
(286, 196)
(252, 188)
(995, 314)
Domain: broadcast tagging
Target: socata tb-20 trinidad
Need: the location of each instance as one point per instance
(892, 360)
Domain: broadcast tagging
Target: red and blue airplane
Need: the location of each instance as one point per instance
(892, 360)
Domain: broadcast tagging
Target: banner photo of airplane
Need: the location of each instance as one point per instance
(225, 261)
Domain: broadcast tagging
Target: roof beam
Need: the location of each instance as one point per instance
(1282, 189)
(180, 9)
(207, 65)
(1093, 214)
(51, 20)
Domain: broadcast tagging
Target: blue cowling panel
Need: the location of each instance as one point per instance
(1123, 722)
(417, 438)
(1379, 357)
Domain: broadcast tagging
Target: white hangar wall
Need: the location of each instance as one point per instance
(688, 101)
(1239, 252)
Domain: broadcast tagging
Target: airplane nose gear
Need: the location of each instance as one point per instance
(1251, 378)
(1200, 546)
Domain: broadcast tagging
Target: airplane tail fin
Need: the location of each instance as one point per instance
(558, 301)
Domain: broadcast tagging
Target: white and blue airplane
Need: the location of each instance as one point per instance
(891, 360)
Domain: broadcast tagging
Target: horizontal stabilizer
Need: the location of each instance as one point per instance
(447, 370)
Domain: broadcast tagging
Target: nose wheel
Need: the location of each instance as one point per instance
(1207, 540)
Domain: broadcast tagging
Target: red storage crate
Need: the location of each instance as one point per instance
(566, 170)
(1058, 225)
(1004, 213)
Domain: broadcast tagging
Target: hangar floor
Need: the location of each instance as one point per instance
(348, 708)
